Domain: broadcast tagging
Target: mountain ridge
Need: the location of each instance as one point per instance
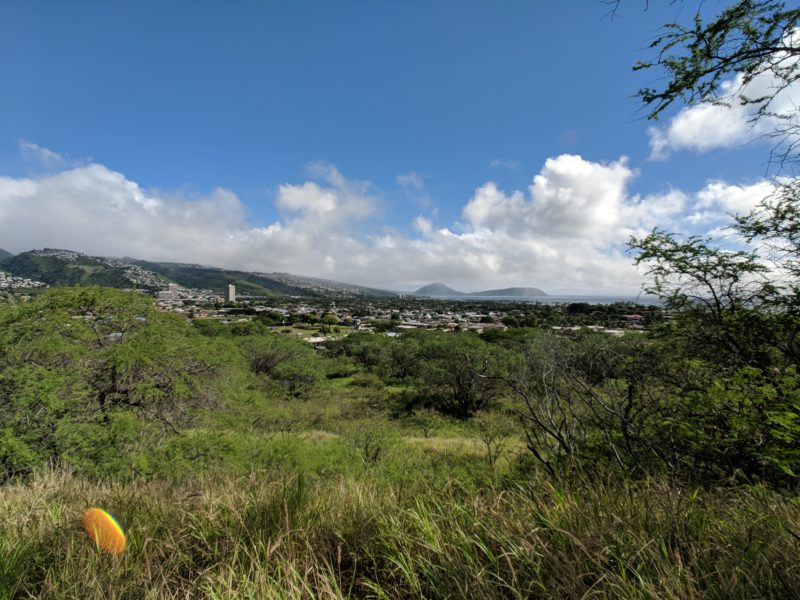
(439, 289)
(68, 267)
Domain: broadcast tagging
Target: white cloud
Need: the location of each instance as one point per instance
(733, 199)
(704, 127)
(565, 233)
(729, 124)
(719, 201)
(414, 188)
(316, 206)
(424, 226)
(34, 152)
(511, 165)
(573, 198)
(411, 180)
(307, 198)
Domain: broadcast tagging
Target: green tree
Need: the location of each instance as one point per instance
(749, 39)
(493, 428)
(90, 376)
(457, 373)
(286, 360)
(737, 311)
(588, 398)
(719, 295)
(368, 349)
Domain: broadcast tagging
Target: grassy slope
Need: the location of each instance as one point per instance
(310, 516)
(275, 536)
(326, 496)
(218, 280)
(54, 271)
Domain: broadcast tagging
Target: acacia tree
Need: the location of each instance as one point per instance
(456, 373)
(734, 297)
(720, 296)
(587, 398)
(89, 375)
(749, 39)
(738, 311)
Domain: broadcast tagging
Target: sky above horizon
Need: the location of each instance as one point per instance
(389, 144)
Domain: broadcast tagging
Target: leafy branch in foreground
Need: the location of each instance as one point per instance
(693, 270)
(748, 54)
(774, 225)
(750, 37)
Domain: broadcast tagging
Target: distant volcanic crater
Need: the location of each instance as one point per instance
(439, 290)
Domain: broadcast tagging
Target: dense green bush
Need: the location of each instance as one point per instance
(91, 377)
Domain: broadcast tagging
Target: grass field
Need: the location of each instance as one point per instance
(335, 499)
(272, 535)
(318, 476)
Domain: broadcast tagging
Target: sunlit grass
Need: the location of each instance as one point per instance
(278, 536)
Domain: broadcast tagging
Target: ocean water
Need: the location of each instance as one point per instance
(643, 300)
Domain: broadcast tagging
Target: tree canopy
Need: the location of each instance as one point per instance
(749, 39)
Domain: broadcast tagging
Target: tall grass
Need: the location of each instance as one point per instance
(279, 536)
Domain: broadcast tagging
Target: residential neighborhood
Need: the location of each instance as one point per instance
(320, 320)
(12, 282)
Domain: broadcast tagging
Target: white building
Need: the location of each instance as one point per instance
(171, 293)
(230, 294)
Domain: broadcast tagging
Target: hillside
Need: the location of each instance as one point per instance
(241, 462)
(437, 289)
(66, 267)
(441, 290)
(212, 278)
(254, 283)
(511, 292)
(327, 286)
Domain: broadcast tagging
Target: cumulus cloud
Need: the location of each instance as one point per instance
(565, 233)
(574, 199)
(729, 123)
(719, 201)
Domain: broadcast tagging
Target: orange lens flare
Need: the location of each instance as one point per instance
(104, 530)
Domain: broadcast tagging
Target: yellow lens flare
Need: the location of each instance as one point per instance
(104, 530)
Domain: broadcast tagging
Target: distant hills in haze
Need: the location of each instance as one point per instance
(57, 267)
(439, 290)
(211, 278)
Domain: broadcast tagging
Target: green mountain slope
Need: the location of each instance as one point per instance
(327, 286)
(196, 276)
(65, 268)
(511, 292)
(440, 289)
(437, 289)
(5, 254)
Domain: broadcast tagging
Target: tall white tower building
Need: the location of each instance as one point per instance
(230, 295)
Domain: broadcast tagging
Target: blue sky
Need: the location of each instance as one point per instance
(382, 143)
